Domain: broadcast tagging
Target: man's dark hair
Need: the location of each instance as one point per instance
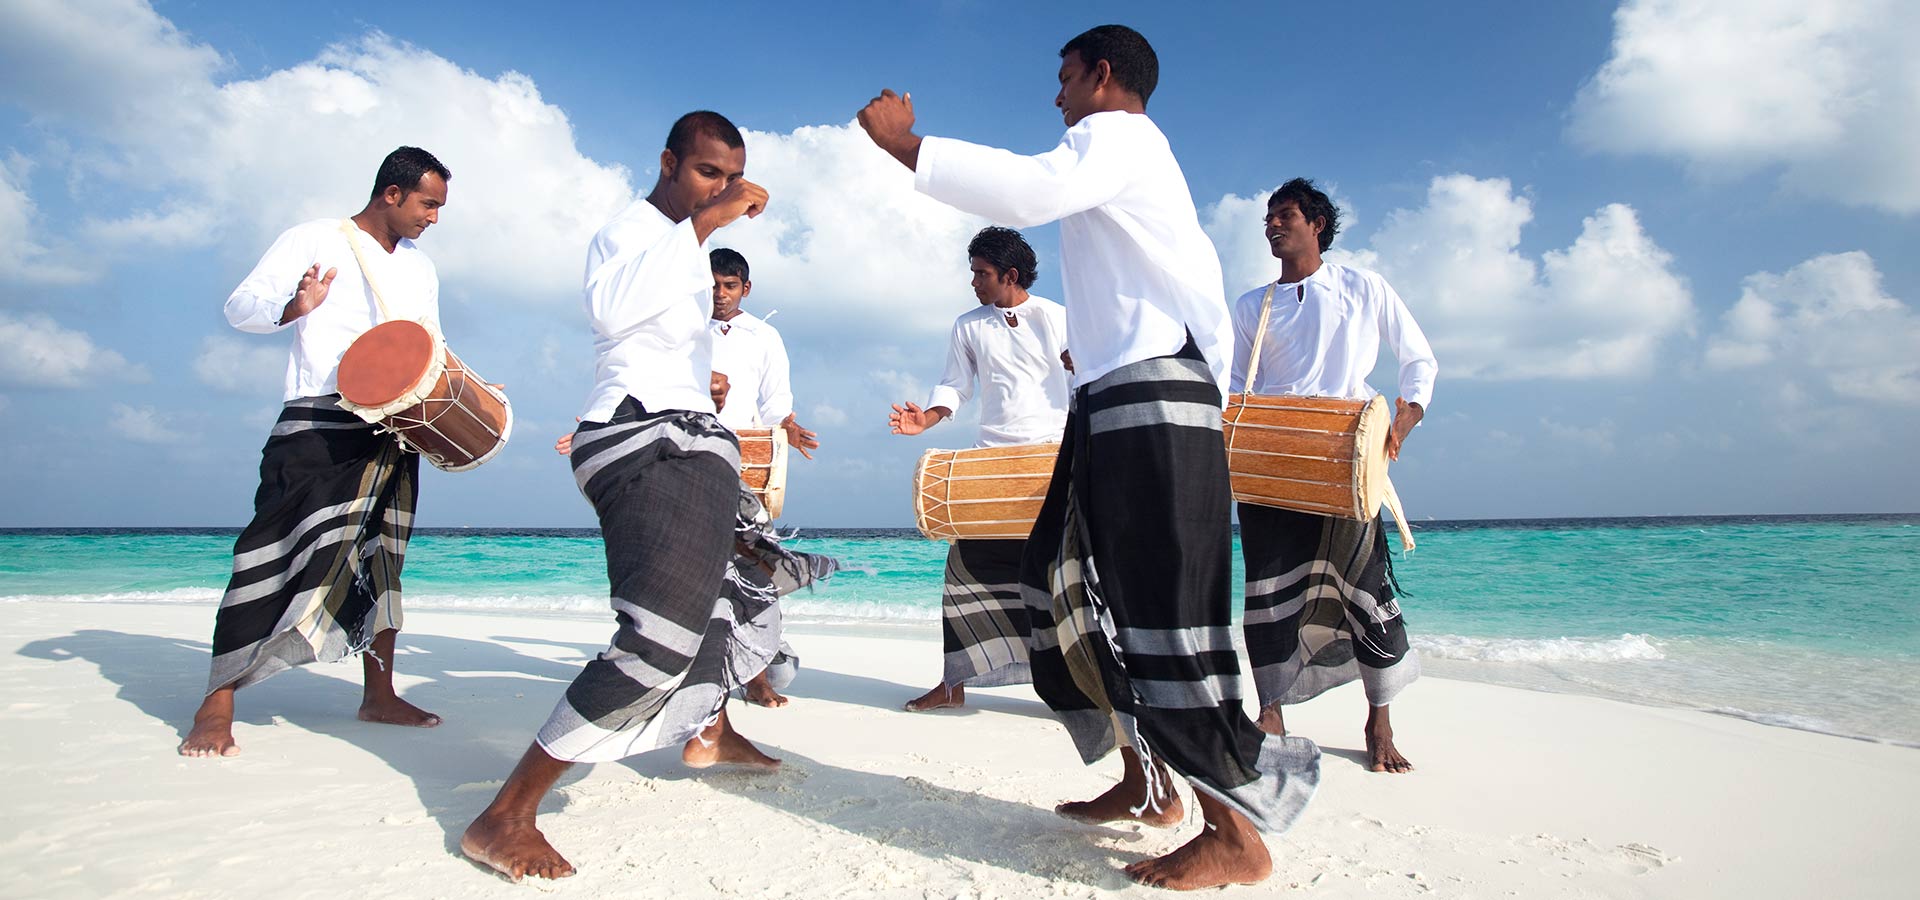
(1128, 55)
(688, 128)
(726, 261)
(1313, 204)
(1003, 249)
(404, 168)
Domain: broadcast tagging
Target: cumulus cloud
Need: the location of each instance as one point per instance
(1827, 93)
(142, 424)
(237, 365)
(1828, 321)
(827, 414)
(23, 255)
(846, 238)
(1598, 308)
(36, 351)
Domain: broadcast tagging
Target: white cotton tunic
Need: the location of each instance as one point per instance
(1023, 383)
(1139, 273)
(750, 353)
(649, 294)
(1323, 337)
(408, 283)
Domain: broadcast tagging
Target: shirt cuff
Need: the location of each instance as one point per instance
(944, 396)
(924, 165)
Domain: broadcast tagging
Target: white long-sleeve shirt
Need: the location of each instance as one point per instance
(649, 293)
(408, 283)
(1023, 384)
(1323, 337)
(750, 353)
(1139, 273)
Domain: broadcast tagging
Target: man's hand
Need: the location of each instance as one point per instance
(888, 120)
(311, 292)
(564, 446)
(1405, 416)
(741, 198)
(799, 438)
(1066, 359)
(911, 419)
(719, 387)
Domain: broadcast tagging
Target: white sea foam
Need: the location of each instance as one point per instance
(176, 595)
(1531, 650)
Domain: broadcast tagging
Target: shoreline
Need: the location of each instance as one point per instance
(1517, 792)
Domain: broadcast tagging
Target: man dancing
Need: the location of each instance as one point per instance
(316, 574)
(1013, 344)
(748, 350)
(1126, 571)
(664, 477)
(1320, 590)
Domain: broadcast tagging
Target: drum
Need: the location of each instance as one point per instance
(400, 376)
(763, 466)
(1319, 455)
(983, 493)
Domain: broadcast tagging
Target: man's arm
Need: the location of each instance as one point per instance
(1418, 368)
(283, 286)
(956, 385)
(1242, 348)
(637, 283)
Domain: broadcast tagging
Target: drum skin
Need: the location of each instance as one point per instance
(401, 376)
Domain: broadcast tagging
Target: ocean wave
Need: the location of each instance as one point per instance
(176, 595)
(1453, 646)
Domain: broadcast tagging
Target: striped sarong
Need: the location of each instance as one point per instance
(316, 574)
(1321, 609)
(694, 575)
(983, 618)
(1126, 577)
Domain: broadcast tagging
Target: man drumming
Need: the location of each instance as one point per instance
(1013, 344)
(748, 350)
(1320, 589)
(316, 574)
(664, 477)
(1126, 574)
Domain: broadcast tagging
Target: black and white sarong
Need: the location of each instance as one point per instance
(983, 618)
(1126, 577)
(316, 574)
(1321, 607)
(694, 572)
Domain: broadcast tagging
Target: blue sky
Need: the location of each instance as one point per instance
(1663, 248)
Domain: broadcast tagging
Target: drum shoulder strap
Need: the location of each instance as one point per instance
(1259, 337)
(366, 272)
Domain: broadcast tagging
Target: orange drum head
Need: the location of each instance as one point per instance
(385, 363)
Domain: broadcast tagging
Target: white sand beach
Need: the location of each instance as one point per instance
(1517, 793)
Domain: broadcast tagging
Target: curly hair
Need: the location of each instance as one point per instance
(1004, 248)
(1313, 204)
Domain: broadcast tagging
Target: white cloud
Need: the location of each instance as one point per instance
(99, 64)
(846, 242)
(23, 255)
(1597, 436)
(238, 365)
(827, 414)
(896, 386)
(1826, 320)
(1598, 308)
(35, 351)
(1827, 92)
(142, 424)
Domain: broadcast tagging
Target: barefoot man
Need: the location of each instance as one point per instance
(663, 475)
(1320, 589)
(1013, 344)
(1126, 571)
(316, 574)
(748, 352)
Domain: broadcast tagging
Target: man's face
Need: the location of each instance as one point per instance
(706, 171)
(1289, 233)
(728, 291)
(409, 213)
(989, 283)
(1078, 82)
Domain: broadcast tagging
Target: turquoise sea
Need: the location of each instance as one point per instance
(1810, 622)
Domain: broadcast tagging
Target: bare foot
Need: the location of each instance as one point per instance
(1271, 722)
(760, 692)
(719, 744)
(941, 697)
(1216, 857)
(1127, 801)
(512, 846)
(1382, 755)
(212, 732)
(392, 710)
